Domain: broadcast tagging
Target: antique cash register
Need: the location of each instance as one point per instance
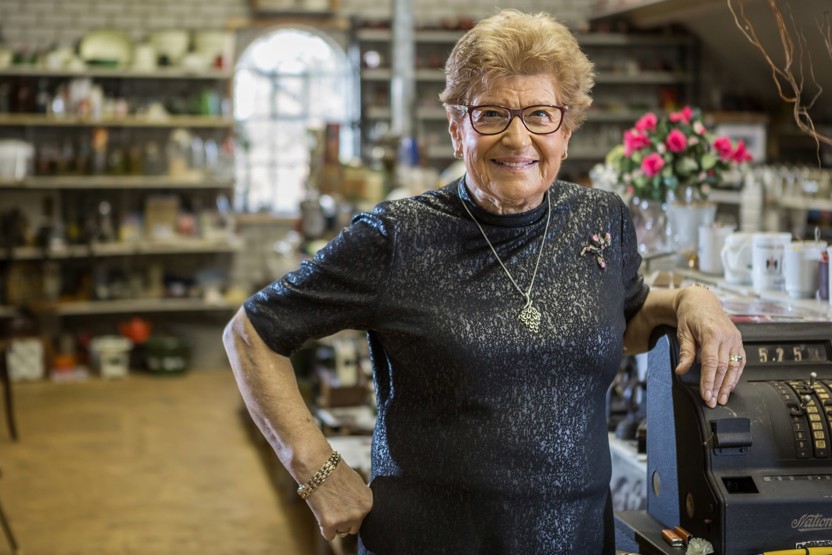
(754, 475)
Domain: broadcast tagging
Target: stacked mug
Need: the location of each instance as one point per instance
(736, 258)
(712, 239)
(771, 261)
(801, 266)
(768, 251)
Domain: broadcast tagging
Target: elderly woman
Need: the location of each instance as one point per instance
(497, 309)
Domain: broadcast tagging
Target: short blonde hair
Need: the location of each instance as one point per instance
(513, 43)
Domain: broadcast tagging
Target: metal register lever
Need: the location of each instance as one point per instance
(731, 432)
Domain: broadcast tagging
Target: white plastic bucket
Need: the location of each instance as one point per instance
(111, 355)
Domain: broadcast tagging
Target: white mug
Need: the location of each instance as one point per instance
(828, 275)
(709, 250)
(800, 268)
(736, 258)
(767, 250)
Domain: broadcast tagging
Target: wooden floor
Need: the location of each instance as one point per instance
(143, 465)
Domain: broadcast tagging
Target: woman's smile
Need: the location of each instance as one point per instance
(514, 163)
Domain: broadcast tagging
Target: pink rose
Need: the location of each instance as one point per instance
(633, 141)
(698, 128)
(682, 115)
(676, 141)
(647, 122)
(723, 147)
(652, 165)
(741, 153)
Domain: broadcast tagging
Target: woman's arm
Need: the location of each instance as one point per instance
(701, 326)
(270, 391)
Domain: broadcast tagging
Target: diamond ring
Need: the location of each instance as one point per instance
(735, 358)
(342, 534)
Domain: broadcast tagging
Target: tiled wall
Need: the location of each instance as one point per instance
(42, 23)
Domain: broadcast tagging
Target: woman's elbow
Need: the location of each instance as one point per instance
(232, 332)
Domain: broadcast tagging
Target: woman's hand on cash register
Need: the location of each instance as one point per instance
(706, 333)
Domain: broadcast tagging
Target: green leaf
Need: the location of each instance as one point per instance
(686, 165)
(615, 156)
(709, 161)
(656, 182)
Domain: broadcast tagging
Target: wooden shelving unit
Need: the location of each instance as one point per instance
(43, 120)
(133, 248)
(115, 73)
(88, 182)
(138, 306)
(189, 260)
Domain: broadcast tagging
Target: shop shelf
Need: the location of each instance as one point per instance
(806, 203)
(97, 182)
(633, 39)
(136, 248)
(386, 74)
(724, 196)
(643, 78)
(135, 306)
(438, 36)
(42, 120)
(116, 73)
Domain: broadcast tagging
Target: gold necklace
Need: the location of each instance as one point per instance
(529, 316)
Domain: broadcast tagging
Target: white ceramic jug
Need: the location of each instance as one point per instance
(736, 258)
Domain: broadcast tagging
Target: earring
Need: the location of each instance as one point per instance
(458, 154)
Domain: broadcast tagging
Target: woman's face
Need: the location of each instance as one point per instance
(509, 172)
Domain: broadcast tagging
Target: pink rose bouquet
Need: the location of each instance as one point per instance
(661, 155)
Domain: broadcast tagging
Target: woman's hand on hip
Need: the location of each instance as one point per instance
(341, 502)
(703, 327)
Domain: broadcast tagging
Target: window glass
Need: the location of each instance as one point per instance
(285, 83)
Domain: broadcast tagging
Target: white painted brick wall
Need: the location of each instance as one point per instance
(39, 23)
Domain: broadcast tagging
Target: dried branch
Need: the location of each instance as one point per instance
(789, 78)
(825, 29)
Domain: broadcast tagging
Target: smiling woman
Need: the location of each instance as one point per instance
(497, 309)
(286, 83)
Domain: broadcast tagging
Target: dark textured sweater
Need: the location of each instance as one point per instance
(489, 438)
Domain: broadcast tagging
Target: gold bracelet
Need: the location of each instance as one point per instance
(305, 490)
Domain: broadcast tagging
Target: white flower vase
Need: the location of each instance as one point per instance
(684, 220)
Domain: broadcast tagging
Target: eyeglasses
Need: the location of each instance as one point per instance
(493, 120)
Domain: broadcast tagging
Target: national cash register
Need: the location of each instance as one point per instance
(754, 475)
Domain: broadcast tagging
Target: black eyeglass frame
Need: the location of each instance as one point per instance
(512, 113)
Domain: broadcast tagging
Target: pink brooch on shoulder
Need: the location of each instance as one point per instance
(596, 247)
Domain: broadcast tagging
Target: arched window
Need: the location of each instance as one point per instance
(286, 83)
